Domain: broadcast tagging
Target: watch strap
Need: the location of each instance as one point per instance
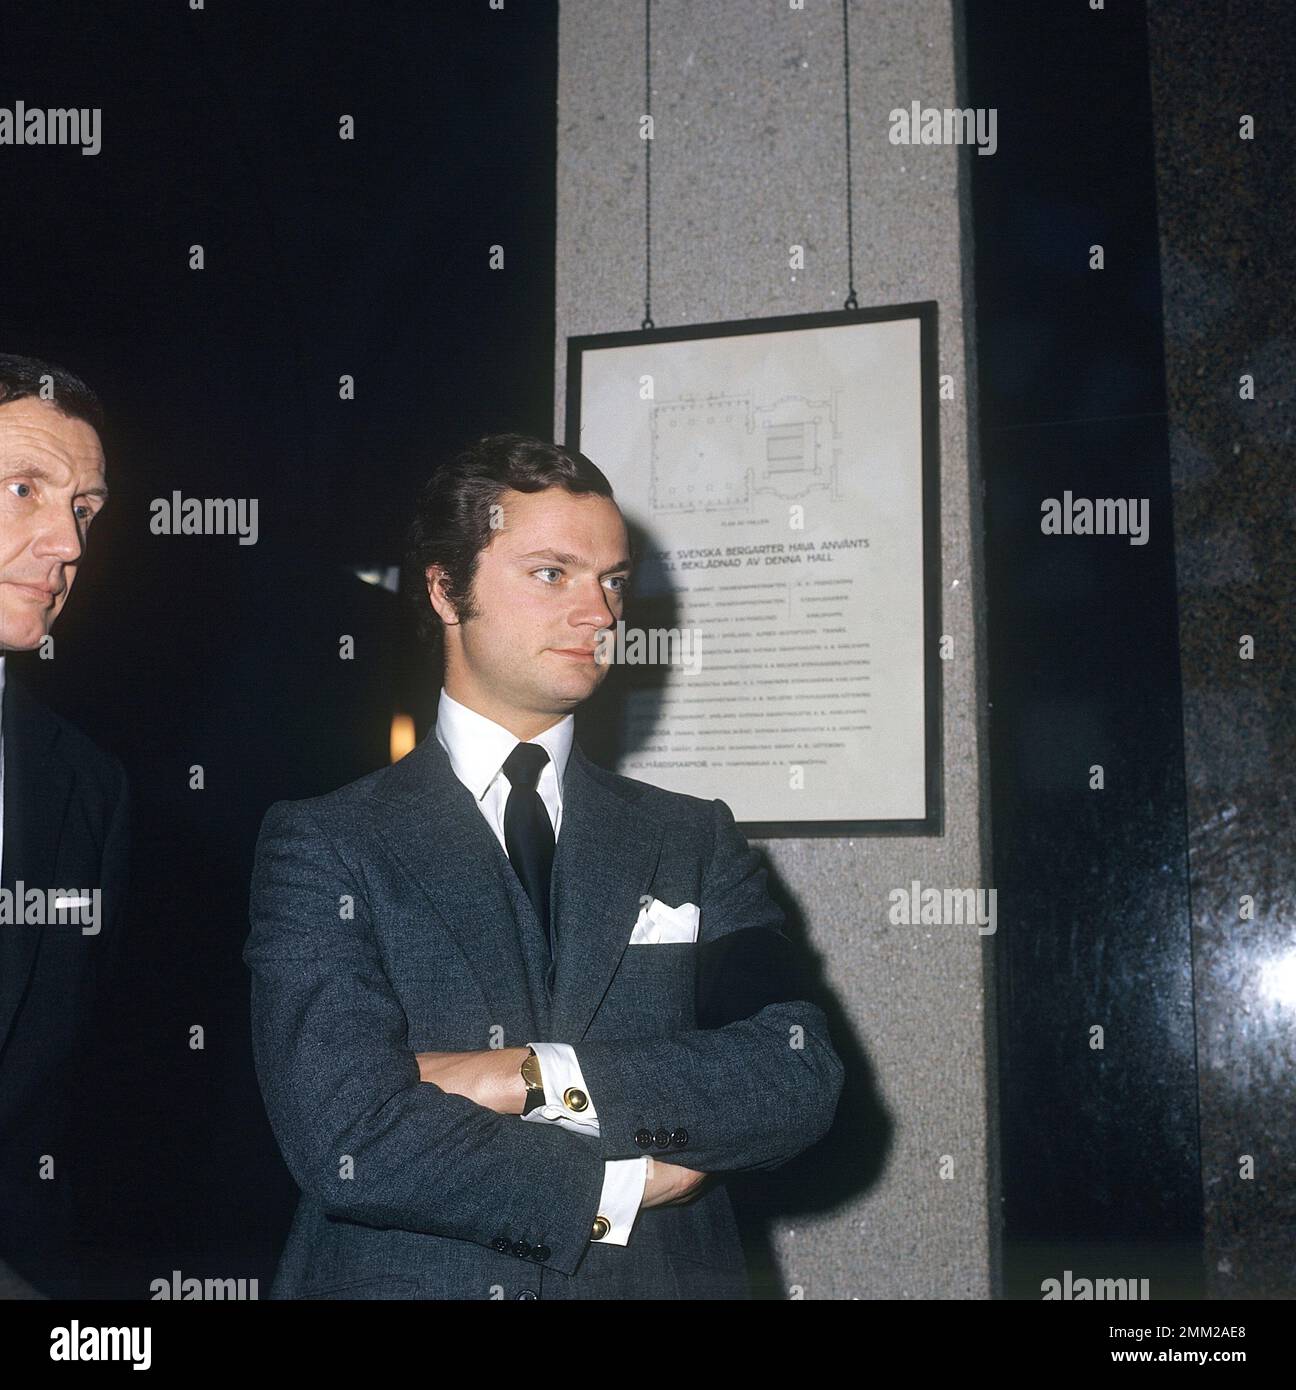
(535, 1096)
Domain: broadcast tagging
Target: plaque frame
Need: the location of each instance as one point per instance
(925, 312)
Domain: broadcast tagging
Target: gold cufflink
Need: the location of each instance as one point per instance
(575, 1099)
(600, 1228)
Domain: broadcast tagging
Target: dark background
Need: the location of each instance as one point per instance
(323, 257)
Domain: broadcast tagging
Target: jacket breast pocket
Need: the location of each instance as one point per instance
(651, 994)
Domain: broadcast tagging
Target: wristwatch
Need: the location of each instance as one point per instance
(535, 1095)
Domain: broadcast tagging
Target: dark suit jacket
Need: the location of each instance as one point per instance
(387, 920)
(65, 826)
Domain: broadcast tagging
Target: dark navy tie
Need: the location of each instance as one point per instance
(528, 831)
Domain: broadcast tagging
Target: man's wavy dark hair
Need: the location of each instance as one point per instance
(23, 377)
(452, 519)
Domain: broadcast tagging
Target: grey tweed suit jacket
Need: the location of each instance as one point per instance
(387, 920)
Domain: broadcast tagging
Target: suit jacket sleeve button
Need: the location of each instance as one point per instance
(541, 1252)
(679, 1138)
(526, 1293)
(575, 1099)
(662, 1138)
(521, 1249)
(643, 1137)
(600, 1228)
(502, 1244)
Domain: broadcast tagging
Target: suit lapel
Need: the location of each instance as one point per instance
(37, 789)
(436, 831)
(605, 858)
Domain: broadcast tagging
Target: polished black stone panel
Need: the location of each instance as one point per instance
(1099, 1129)
(1227, 209)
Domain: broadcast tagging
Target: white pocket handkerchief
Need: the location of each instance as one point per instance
(659, 922)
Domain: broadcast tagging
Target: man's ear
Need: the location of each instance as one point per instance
(435, 577)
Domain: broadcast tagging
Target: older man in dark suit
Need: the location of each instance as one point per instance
(63, 830)
(514, 1016)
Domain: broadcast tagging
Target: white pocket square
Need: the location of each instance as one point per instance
(659, 922)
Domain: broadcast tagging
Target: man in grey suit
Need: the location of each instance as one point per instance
(514, 1017)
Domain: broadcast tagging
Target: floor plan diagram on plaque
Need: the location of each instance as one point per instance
(787, 449)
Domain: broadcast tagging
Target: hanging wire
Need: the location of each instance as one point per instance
(851, 301)
(648, 144)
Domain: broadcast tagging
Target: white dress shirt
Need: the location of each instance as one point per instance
(477, 748)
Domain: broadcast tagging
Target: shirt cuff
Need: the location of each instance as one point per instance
(564, 1084)
(624, 1180)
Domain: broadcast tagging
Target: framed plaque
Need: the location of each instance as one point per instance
(780, 478)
